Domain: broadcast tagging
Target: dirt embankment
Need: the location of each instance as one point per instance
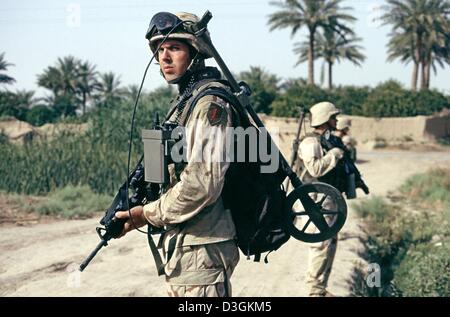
(40, 259)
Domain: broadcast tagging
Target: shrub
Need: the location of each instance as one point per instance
(433, 186)
(350, 99)
(430, 101)
(425, 270)
(264, 88)
(296, 95)
(390, 99)
(73, 201)
(411, 247)
(376, 208)
(40, 114)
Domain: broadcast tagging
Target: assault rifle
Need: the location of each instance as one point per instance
(296, 143)
(348, 164)
(144, 192)
(113, 226)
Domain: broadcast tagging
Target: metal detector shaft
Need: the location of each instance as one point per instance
(312, 209)
(244, 99)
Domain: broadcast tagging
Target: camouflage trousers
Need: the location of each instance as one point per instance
(321, 257)
(202, 270)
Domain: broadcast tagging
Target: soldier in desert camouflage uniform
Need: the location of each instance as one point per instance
(318, 163)
(199, 247)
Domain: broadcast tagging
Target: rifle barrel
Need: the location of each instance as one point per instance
(85, 263)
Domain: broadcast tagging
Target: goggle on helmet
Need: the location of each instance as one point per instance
(175, 26)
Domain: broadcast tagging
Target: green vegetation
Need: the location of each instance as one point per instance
(411, 244)
(329, 16)
(264, 88)
(70, 202)
(419, 35)
(96, 158)
(432, 188)
(388, 99)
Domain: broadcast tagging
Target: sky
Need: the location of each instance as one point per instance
(110, 34)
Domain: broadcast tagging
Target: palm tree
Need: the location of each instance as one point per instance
(5, 79)
(402, 46)
(313, 14)
(87, 82)
(425, 26)
(51, 79)
(131, 91)
(72, 79)
(109, 90)
(25, 98)
(23, 101)
(61, 79)
(264, 87)
(69, 69)
(436, 50)
(332, 48)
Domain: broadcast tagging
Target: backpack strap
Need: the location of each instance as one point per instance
(218, 88)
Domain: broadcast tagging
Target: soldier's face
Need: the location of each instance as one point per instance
(173, 59)
(332, 122)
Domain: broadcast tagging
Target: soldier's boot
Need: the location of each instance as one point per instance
(322, 293)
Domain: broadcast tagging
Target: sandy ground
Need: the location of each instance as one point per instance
(42, 259)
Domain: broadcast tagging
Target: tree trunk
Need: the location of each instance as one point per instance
(421, 59)
(330, 75)
(311, 58)
(423, 78)
(84, 103)
(415, 76)
(428, 75)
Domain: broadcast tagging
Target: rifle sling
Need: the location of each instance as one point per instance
(156, 256)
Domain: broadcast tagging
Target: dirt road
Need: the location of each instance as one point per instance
(42, 259)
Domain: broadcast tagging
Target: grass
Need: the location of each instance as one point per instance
(432, 187)
(376, 208)
(73, 202)
(411, 246)
(425, 270)
(96, 158)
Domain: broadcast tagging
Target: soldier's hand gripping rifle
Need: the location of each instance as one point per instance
(144, 192)
(349, 165)
(113, 226)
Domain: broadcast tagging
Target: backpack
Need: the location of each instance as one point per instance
(256, 200)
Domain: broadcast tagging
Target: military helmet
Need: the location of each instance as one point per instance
(322, 112)
(163, 22)
(343, 123)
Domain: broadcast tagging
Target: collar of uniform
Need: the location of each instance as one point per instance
(202, 74)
